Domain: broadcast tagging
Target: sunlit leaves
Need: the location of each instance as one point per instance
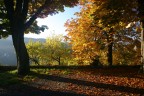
(99, 24)
(54, 51)
(34, 50)
(82, 36)
(57, 50)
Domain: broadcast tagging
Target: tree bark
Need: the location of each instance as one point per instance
(142, 47)
(20, 49)
(17, 17)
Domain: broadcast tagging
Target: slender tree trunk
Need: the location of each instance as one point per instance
(141, 16)
(21, 51)
(142, 46)
(59, 61)
(110, 57)
(110, 47)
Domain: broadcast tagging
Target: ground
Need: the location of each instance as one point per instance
(117, 81)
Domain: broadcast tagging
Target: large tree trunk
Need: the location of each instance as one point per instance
(21, 51)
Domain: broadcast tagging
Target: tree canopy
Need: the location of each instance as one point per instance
(29, 11)
(102, 25)
(19, 15)
(54, 51)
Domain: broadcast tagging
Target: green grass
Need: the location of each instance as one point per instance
(9, 78)
(48, 71)
(66, 72)
(41, 71)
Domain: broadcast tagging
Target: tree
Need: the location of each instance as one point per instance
(82, 37)
(56, 49)
(20, 15)
(35, 50)
(110, 19)
(128, 11)
(99, 24)
(127, 47)
(87, 34)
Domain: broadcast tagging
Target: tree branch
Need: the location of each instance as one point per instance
(25, 8)
(37, 13)
(50, 10)
(33, 18)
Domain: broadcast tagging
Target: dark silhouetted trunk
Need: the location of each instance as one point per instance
(20, 49)
(110, 47)
(17, 11)
(109, 54)
(59, 61)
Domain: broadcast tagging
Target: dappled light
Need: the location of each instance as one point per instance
(75, 81)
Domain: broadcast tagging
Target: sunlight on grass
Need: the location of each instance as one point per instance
(29, 78)
(66, 72)
(48, 71)
(41, 71)
(10, 77)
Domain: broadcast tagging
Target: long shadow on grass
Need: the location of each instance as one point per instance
(92, 84)
(117, 71)
(11, 86)
(25, 90)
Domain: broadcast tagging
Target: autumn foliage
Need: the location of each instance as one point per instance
(100, 32)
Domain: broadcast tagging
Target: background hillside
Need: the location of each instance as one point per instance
(7, 52)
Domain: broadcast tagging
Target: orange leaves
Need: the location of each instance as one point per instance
(96, 26)
(80, 81)
(82, 34)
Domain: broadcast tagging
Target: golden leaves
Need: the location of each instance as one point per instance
(91, 31)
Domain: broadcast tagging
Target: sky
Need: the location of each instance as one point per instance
(55, 23)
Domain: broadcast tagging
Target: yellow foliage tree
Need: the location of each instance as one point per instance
(97, 27)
